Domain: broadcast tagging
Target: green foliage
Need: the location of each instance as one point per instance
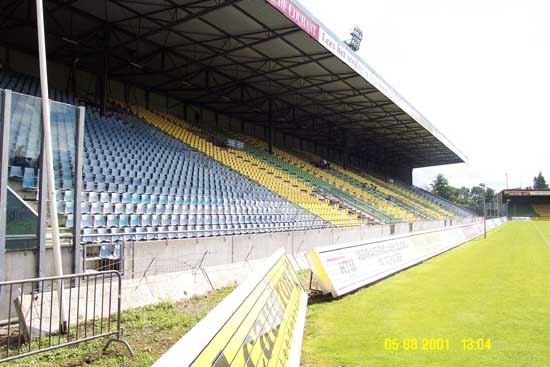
(495, 288)
(539, 182)
(470, 198)
(440, 186)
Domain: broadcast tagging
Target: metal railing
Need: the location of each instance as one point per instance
(356, 203)
(48, 313)
(107, 255)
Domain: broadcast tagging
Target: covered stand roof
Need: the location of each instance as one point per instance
(239, 57)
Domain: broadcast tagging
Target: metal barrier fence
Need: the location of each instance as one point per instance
(54, 312)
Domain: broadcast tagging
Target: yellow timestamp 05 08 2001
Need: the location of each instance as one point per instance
(435, 344)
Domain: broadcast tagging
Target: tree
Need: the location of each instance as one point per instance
(477, 193)
(463, 195)
(490, 195)
(470, 198)
(440, 187)
(539, 183)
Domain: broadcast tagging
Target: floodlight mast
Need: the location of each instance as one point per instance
(356, 37)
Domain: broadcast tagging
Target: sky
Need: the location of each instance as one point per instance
(478, 70)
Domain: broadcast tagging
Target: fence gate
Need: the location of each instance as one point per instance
(54, 312)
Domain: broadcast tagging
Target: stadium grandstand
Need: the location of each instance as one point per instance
(209, 118)
(525, 203)
(201, 134)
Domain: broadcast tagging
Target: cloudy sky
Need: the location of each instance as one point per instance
(478, 70)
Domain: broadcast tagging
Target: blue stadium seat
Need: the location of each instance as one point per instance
(16, 172)
(146, 220)
(126, 198)
(135, 220)
(98, 221)
(123, 220)
(112, 220)
(140, 233)
(129, 234)
(86, 221)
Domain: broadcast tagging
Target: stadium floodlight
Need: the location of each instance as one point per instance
(356, 37)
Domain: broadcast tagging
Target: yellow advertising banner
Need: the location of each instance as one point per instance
(259, 324)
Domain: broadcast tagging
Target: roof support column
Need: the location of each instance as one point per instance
(103, 73)
(270, 127)
(346, 148)
(148, 99)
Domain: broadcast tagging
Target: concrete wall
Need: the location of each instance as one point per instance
(159, 257)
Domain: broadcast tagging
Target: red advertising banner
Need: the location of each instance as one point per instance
(295, 14)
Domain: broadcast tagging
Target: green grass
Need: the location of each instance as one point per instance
(498, 288)
(150, 330)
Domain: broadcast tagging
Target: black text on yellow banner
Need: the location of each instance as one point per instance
(260, 323)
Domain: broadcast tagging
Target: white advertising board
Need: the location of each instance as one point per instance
(521, 218)
(344, 268)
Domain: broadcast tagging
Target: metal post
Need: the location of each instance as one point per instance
(42, 212)
(103, 87)
(49, 155)
(77, 215)
(74, 89)
(4, 161)
(103, 77)
(270, 127)
(126, 92)
(345, 161)
(484, 216)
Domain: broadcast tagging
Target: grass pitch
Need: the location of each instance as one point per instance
(494, 291)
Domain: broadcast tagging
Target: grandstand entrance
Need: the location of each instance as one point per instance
(526, 203)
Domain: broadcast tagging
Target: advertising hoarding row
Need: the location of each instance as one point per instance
(343, 268)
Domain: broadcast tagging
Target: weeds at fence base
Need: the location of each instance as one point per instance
(150, 330)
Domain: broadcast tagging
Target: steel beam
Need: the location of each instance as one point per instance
(5, 120)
